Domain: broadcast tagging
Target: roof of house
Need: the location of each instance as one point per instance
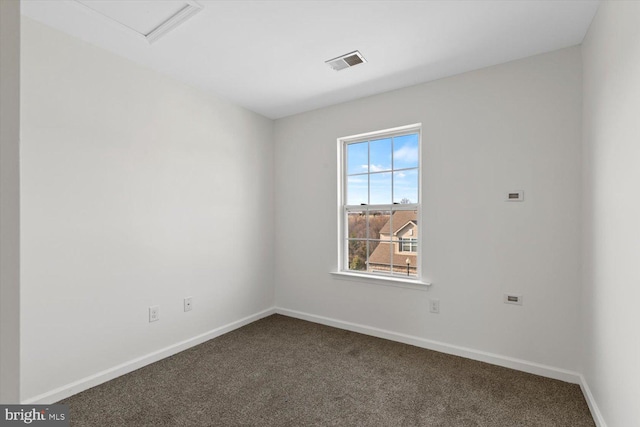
(381, 256)
(400, 219)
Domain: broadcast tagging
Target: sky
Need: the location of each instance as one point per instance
(383, 171)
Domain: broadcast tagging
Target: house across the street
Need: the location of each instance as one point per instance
(398, 246)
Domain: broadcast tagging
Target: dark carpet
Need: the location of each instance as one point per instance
(281, 371)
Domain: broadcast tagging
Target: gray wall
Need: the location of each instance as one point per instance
(510, 127)
(137, 190)
(611, 128)
(9, 201)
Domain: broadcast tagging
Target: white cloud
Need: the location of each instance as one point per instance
(406, 153)
(377, 168)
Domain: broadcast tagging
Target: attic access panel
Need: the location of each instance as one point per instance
(150, 19)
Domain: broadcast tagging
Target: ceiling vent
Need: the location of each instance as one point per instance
(346, 61)
(148, 19)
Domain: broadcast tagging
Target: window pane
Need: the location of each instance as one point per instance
(379, 225)
(405, 151)
(357, 187)
(380, 257)
(357, 255)
(380, 155)
(357, 225)
(400, 265)
(405, 186)
(357, 158)
(380, 188)
(378, 228)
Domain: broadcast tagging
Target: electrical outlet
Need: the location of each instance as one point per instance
(434, 306)
(154, 313)
(188, 304)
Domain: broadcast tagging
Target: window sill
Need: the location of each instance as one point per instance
(381, 280)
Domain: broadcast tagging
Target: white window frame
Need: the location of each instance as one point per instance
(391, 278)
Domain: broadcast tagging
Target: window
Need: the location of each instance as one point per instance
(380, 203)
(408, 245)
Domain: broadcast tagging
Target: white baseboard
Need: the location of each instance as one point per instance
(591, 401)
(469, 353)
(494, 359)
(137, 363)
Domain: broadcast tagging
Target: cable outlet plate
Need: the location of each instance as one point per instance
(188, 304)
(434, 306)
(154, 313)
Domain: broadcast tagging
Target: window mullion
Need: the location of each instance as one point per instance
(366, 211)
(368, 172)
(392, 174)
(391, 241)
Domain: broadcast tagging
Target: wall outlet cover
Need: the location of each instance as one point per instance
(154, 313)
(434, 306)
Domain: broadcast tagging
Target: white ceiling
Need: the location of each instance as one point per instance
(268, 56)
